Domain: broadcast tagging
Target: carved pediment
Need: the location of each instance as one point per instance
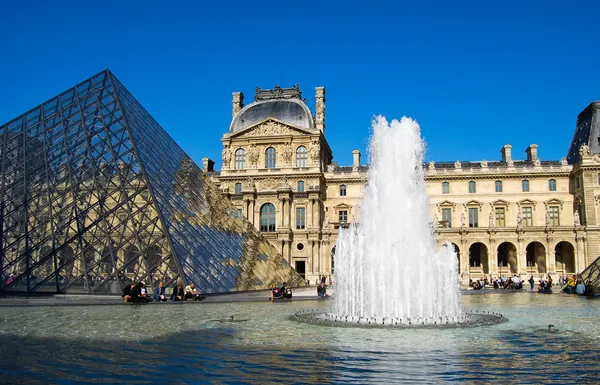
(342, 206)
(526, 202)
(473, 202)
(446, 204)
(270, 127)
(554, 201)
(500, 202)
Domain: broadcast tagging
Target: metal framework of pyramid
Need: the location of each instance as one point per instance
(95, 194)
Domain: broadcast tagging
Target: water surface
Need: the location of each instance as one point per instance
(195, 343)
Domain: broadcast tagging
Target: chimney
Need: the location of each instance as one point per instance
(207, 164)
(237, 103)
(506, 153)
(355, 160)
(320, 109)
(532, 152)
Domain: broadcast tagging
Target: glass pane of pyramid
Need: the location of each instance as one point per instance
(96, 195)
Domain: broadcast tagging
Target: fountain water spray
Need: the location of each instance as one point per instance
(386, 263)
(387, 270)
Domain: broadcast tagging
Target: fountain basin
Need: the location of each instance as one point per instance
(325, 318)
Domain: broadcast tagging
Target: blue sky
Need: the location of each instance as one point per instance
(475, 74)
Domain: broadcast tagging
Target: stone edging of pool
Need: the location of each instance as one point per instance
(473, 319)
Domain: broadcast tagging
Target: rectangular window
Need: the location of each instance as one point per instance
(238, 188)
(240, 214)
(343, 216)
(300, 218)
(552, 185)
(527, 217)
(447, 216)
(500, 216)
(473, 217)
(554, 218)
(472, 188)
(525, 185)
(498, 186)
(445, 188)
(343, 190)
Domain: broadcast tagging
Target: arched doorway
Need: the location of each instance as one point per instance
(564, 254)
(536, 258)
(478, 259)
(457, 251)
(507, 259)
(132, 256)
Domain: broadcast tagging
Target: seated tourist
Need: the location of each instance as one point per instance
(127, 292)
(178, 293)
(580, 287)
(322, 291)
(276, 293)
(286, 291)
(136, 294)
(192, 292)
(159, 293)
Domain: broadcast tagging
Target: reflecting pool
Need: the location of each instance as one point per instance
(196, 343)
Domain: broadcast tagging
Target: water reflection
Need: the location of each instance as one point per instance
(195, 344)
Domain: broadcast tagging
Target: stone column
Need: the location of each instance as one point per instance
(316, 217)
(580, 254)
(309, 215)
(493, 257)
(281, 206)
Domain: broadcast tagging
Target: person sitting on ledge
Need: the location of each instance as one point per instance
(322, 291)
(192, 292)
(276, 293)
(136, 295)
(127, 292)
(178, 293)
(159, 293)
(286, 291)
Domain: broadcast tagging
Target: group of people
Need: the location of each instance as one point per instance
(501, 282)
(137, 293)
(283, 292)
(576, 285)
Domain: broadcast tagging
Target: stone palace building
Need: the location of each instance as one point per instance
(509, 216)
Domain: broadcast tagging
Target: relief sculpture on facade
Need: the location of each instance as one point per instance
(270, 129)
(253, 154)
(226, 156)
(315, 152)
(286, 153)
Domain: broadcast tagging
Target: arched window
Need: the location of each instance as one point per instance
(525, 185)
(342, 190)
(300, 186)
(238, 188)
(270, 158)
(240, 159)
(472, 187)
(301, 156)
(445, 188)
(552, 185)
(498, 186)
(267, 217)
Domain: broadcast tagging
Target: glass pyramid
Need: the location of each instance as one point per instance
(95, 194)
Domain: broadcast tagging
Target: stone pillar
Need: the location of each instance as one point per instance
(493, 258)
(237, 103)
(580, 254)
(316, 216)
(320, 109)
(289, 213)
(281, 205)
(309, 214)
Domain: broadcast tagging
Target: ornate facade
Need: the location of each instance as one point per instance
(526, 217)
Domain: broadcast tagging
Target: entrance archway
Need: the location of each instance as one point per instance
(457, 251)
(478, 258)
(536, 258)
(507, 259)
(564, 255)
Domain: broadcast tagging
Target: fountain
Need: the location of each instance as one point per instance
(387, 269)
